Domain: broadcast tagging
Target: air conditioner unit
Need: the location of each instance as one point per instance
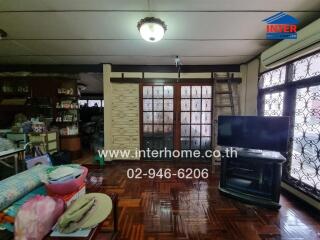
(308, 41)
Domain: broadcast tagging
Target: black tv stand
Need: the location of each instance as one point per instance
(250, 150)
(253, 178)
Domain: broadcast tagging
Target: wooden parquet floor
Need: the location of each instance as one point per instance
(194, 209)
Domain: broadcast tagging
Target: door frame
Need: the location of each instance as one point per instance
(177, 84)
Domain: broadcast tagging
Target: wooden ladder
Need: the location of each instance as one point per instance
(216, 82)
(228, 92)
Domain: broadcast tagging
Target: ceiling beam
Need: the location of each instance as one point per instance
(172, 68)
(137, 39)
(161, 11)
(71, 68)
(107, 55)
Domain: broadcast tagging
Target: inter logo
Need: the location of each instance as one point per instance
(281, 26)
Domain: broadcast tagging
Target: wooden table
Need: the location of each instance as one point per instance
(16, 153)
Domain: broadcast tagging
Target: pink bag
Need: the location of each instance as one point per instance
(36, 217)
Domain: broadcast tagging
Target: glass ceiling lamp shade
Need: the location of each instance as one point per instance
(152, 29)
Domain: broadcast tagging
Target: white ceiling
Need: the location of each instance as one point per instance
(98, 31)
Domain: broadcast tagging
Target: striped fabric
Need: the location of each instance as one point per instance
(15, 187)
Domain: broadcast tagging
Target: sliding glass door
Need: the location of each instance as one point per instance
(176, 117)
(158, 117)
(196, 117)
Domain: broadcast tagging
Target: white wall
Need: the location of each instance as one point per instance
(107, 93)
(249, 91)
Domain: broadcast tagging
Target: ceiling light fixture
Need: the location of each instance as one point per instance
(3, 34)
(152, 29)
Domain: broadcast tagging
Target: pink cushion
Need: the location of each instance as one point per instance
(36, 217)
(71, 186)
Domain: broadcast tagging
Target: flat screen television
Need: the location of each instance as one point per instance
(252, 132)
